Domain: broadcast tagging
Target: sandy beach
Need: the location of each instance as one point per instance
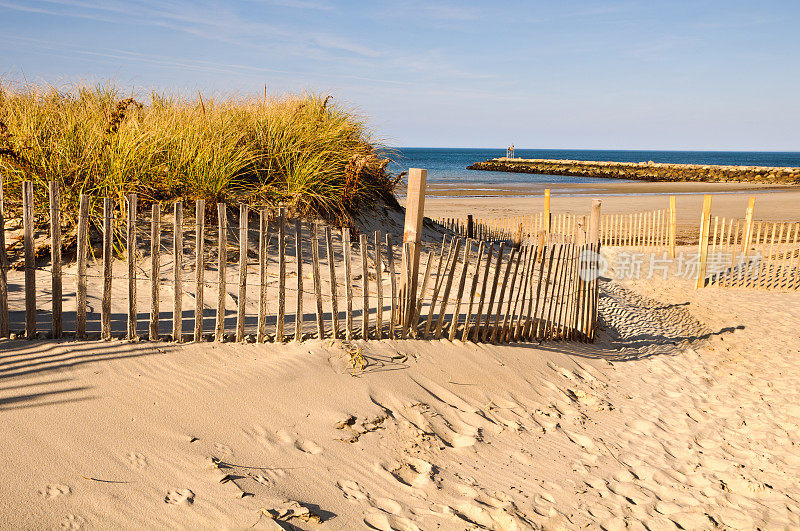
(730, 199)
(683, 414)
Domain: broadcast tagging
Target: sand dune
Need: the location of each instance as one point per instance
(684, 413)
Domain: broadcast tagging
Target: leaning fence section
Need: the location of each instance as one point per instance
(260, 276)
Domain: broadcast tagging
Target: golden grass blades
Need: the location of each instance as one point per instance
(305, 151)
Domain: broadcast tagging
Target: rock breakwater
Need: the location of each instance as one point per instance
(644, 171)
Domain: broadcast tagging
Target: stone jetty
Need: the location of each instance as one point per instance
(644, 171)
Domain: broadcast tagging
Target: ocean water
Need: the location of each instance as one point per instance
(447, 167)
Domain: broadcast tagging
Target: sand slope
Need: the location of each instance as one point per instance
(685, 413)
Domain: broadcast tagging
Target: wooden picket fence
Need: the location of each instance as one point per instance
(468, 289)
(747, 253)
(647, 230)
(650, 230)
(563, 227)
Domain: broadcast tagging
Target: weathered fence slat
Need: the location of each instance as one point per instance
(379, 286)
(199, 267)
(105, 311)
(461, 283)
(484, 283)
(425, 278)
(155, 269)
(55, 258)
(241, 301)
(4, 317)
(131, 256)
(332, 275)
(83, 253)
(448, 285)
(298, 252)
(222, 266)
(177, 271)
(348, 286)
(362, 240)
(30, 259)
(317, 282)
(263, 260)
(490, 305)
(473, 288)
(501, 298)
(281, 316)
(393, 286)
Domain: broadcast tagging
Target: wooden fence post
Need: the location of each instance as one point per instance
(83, 241)
(317, 282)
(748, 226)
(199, 267)
(547, 217)
(470, 227)
(705, 224)
(105, 312)
(177, 271)
(55, 256)
(332, 275)
(362, 239)
(241, 303)
(378, 286)
(281, 317)
(30, 259)
(392, 285)
(348, 284)
(298, 251)
(673, 226)
(155, 269)
(263, 239)
(222, 263)
(4, 325)
(131, 252)
(594, 222)
(412, 232)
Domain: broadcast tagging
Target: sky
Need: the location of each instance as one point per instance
(699, 74)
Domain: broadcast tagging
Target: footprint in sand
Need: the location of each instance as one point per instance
(562, 371)
(389, 522)
(309, 447)
(264, 480)
(136, 461)
(223, 450)
(352, 490)
(269, 476)
(54, 490)
(262, 436)
(413, 473)
(72, 521)
(583, 441)
(304, 445)
(179, 497)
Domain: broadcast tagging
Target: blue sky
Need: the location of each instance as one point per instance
(540, 74)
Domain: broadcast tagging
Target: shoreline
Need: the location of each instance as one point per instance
(615, 188)
(773, 203)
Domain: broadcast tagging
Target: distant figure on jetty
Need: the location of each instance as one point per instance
(510, 152)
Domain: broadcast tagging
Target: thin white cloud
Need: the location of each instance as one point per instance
(298, 4)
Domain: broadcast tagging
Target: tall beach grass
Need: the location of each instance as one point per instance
(306, 151)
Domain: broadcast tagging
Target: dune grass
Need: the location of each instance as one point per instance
(307, 152)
